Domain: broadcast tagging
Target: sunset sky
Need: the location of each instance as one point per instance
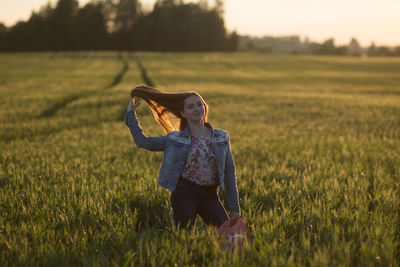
(366, 20)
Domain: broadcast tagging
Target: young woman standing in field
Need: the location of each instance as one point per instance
(197, 157)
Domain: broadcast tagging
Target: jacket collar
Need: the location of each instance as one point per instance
(186, 131)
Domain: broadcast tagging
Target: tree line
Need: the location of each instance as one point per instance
(171, 25)
(293, 45)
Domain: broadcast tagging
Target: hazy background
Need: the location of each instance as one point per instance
(367, 20)
(315, 138)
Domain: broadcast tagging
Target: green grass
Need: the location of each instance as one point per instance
(316, 142)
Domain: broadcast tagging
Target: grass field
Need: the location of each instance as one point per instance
(316, 142)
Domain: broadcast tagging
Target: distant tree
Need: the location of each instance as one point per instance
(177, 26)
(16, 37)
(219, 7)
(35, 36)
(120, 18)
(120, 24)
(397, 51)
(372, 50)
(61, 25)
(383, 51)
(127, 12)
(315, 48)
(215, 38)
(3, 36)
(65, 27)
(3, 28)
(342, 50)
(354, 48)
(250, 46)
(90, 28)
(380, 51)
(203, 4)
(233, 42)
(328, 47)
(30, 35)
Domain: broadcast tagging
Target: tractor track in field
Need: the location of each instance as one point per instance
(146, 79)
(53, 109)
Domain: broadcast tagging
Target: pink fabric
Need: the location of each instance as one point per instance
(232, 235)
(201, 164)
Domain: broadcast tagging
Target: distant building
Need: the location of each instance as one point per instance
(354, 48)
(284, 45)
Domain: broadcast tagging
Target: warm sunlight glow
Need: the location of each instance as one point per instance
(368, 20)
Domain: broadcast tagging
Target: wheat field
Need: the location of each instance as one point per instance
(316, 143)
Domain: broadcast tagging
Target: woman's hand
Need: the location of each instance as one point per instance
(135, 106)
(234, 218)
(132, 105)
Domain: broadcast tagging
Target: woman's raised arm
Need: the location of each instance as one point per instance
(140, 139)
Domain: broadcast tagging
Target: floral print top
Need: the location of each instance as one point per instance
(201, 164)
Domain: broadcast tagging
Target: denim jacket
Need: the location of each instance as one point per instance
(176, 147)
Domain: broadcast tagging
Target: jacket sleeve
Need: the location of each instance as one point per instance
(230, 181)
(140, 139)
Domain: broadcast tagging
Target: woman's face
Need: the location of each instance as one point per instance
(193, 108)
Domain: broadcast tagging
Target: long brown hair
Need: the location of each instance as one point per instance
(167, 107)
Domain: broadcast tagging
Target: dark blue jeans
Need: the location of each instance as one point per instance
(190, 199)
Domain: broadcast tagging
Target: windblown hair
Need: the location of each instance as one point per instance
(167, 107)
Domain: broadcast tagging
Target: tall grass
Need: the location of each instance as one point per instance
(315, 141)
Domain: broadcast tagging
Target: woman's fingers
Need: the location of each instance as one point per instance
(136, 105)
(132, 104)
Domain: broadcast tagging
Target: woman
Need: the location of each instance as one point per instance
(197, 157)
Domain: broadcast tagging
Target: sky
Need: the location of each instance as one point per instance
(367, 20)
